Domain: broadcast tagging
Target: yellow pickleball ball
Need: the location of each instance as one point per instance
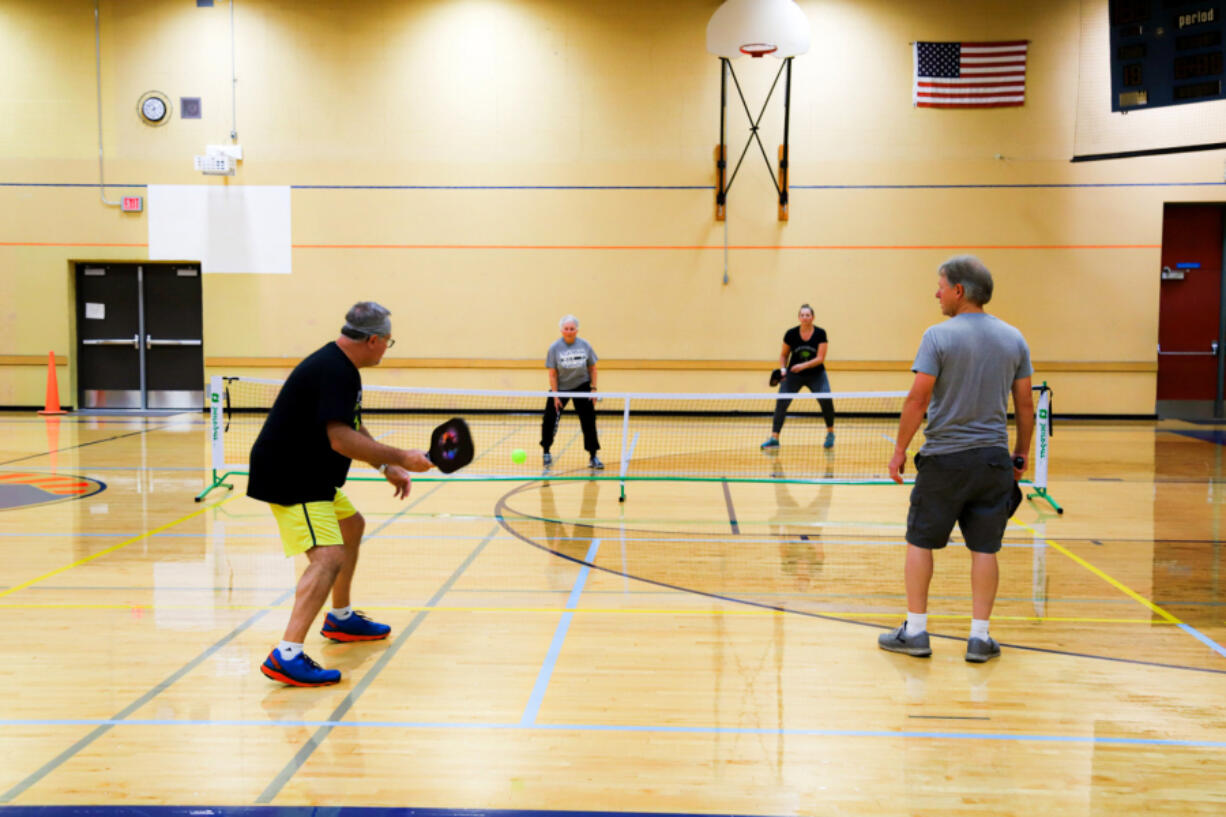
(518, 456)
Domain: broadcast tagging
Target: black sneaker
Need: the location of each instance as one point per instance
(595, 464)
(547, 459)
(980, 650)
(898, 641)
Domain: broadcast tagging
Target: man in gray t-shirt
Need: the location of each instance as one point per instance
(965, 370)
(571, 363)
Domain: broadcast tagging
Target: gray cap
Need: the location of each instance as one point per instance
(368, 318)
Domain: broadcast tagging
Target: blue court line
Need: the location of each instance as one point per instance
(1206, 640)
(545, 592)
(838, 619)
(639, 728)
(119, 718)
(304, 753)
(810, 596)
(314, 811)
(68, 753)
(1216, 435)
(452, 537)
(559, 635)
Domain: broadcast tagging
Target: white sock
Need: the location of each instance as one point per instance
(979, 628)
(342, 613)
(916, 623)
(289, 650)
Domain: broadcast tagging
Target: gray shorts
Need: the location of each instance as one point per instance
(971, 488)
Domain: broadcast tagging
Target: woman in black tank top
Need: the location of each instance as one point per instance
(802, 362)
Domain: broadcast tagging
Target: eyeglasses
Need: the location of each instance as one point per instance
(391, 341)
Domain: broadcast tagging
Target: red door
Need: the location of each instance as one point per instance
(1189, 306)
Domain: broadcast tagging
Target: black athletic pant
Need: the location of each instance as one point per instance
(816, 382)
(586, 410)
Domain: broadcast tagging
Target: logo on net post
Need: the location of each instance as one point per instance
(215, 414)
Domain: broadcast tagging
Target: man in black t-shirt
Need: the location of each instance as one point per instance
(298, 464)
(802, 362)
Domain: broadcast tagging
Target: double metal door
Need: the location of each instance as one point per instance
(139, 336)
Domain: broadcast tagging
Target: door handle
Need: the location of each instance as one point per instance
(133, 341)
(151, 341)
(1213, 351)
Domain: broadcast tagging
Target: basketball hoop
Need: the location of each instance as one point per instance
(758, 50)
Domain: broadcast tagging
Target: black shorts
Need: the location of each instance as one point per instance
(971, 488)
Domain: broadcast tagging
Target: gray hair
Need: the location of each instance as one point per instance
(366, 319)
(974, 277)
(568, 319)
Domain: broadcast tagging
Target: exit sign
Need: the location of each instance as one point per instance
(132, 204)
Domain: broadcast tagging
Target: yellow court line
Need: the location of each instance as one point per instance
(1118, 585)
(840, 614)
(113, 548)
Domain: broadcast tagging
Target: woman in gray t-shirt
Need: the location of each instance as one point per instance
(571, 363)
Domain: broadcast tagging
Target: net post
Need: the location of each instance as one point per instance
(625, 458)
(217, 447)
(1043, 424)
(217, 423)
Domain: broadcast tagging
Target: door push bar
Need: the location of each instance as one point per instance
(133, 341)
(1213, 350)
(150, 342)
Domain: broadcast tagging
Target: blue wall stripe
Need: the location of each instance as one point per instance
(1036, 186)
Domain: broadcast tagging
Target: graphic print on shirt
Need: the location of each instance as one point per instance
(572, 359)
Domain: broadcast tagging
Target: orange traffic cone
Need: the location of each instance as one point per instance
(53, 389)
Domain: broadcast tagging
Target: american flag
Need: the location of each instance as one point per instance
(970, 75)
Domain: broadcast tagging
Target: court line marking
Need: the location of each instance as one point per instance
(559, 637)
(1134, 595)
(79, 445)
(129, 588)
(72, 750)
(658, 729)
(115, 547)
(103, 726)
(568, 610)
(736, 530)
(304, 753)
(1118, 585)
(501, 507)
(1206, 640)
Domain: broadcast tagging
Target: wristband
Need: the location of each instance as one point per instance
(1019, 462)
(383, 469)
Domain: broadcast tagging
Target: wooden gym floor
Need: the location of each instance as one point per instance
(697, 649)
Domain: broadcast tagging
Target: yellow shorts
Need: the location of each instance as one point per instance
(310, 524)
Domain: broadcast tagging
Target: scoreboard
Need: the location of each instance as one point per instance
(1165, 52)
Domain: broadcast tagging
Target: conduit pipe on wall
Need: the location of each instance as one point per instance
(98, 79)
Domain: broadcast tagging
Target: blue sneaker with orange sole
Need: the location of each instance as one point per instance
(355, 628)
(299, 671)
